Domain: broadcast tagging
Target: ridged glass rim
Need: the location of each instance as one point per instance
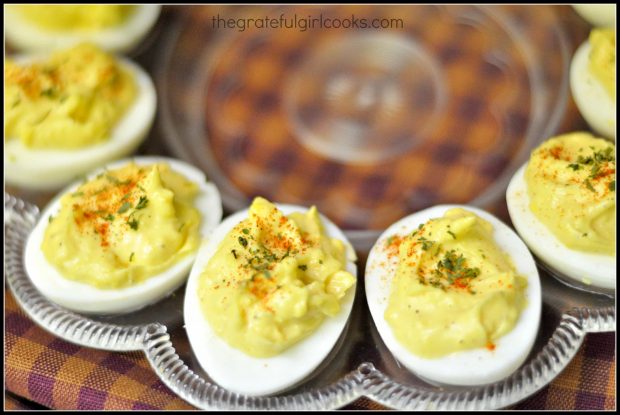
(153, 339)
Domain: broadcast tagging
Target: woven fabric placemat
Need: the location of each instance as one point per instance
(51, 372)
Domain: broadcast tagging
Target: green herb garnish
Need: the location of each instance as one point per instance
(124, 208)
(426, 244)
(243, 241)
(302, 267)
(450, 269)
(48, 92)
(142, 202)
(109, 217)
(595, 162)
(133, 224)
(131, 256)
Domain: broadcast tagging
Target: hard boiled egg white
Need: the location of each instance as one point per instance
(25, 35)
(233, 369)
(51, 169)
(470, 367)
(594, 103)
(585, 268)
(88, 299)
(597, 14)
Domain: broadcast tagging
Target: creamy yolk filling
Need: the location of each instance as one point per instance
(86, 18)
(454, 288)
(273, 280)
(571, 183)
(123, 227)
(71, 101)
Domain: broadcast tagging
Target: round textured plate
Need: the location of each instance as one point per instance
(360, 364)
(369, 125)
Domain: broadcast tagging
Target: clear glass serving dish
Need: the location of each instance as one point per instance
(359, 365)
(368, 124)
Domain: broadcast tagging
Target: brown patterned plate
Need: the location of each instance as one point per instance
(368, 124)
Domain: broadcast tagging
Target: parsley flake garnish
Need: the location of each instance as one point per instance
(133, 224)
(124, 208)
(426, 244)
(142, 202)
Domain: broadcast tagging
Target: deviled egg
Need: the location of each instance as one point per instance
(113, 27)
(268, 297)
(76, 110)
(124, 238)
(455, 295)
(593, 81)
(562, 203)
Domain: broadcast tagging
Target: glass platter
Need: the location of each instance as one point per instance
(371, 125)
(360, 364)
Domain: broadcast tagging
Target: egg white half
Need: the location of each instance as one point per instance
(27, 36)
(597, 14)
(241, 373)
(85, 298)
(585, 268)
(593, 101)
(44, 169)
(470, 367)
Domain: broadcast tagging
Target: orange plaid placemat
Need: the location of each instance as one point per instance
(51, 372)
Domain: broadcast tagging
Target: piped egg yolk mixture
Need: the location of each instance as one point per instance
(454, 288)
(602, 59)
(273, 280)
(73, 100)
(83, 17)
(123, 226)
(571, 183)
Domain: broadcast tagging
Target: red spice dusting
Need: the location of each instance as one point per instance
(393, 245)
(461, 283)
(97, 208)
(490, 346)
(556, 152)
